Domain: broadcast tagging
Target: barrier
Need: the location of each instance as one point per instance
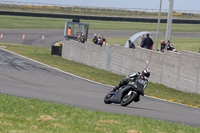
(23, 36)
(103, 18)
(180, 71)
(1, 35)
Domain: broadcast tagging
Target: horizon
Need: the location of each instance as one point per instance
(127, 4)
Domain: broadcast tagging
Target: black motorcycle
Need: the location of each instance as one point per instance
(124, 96)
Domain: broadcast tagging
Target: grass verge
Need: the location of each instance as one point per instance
(32, 115)
(21, 22)
(43, 55)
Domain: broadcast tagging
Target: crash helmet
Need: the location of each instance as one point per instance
(146, 72)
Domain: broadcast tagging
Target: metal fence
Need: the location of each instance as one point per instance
(47, 5)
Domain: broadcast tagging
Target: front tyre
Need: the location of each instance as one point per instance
(128, 98)
(107, 98)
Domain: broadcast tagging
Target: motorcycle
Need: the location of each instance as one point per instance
(124, 96)
(171, 47)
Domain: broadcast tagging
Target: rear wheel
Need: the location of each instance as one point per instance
(107, 98)
(128, 98)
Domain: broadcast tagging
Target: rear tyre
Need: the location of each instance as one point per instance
(107, 99)
(128, 98)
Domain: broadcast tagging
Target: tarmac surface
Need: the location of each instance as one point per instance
(34, 37)
(26, 78)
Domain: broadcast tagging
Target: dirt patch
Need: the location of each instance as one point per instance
(103, 129)
(109, 121)
(34, 127)
(133, 131)
(32, 107)
(5, 124)
(54, 114)
(45, 118)
(56, 125)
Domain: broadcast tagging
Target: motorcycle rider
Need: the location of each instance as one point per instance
(138, 81)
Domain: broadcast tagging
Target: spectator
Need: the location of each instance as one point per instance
(162, 46)
(103, 39)
(99, 37)
(69, 31)
(83, 38)
(131, 44)
(79, 38)
(95, 39)
(142, 42)
(170, 47)
(148, 42)
(100, 42)
(152, 45)
(199, 50)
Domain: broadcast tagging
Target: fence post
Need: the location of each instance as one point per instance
(109, 58)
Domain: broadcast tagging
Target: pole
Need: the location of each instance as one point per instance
(169, 20)
(158, 25)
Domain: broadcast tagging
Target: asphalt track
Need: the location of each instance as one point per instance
(23, 77)
(34, 37)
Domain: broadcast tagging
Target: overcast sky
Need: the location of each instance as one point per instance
(150, 4)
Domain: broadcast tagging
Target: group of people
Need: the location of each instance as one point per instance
(81, 38)
(99, 40)
(146, 42)
(167, 45)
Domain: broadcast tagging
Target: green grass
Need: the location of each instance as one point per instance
(19, 22)
(43, 55)
(32, 115)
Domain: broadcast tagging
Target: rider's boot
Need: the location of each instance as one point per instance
(115, 88)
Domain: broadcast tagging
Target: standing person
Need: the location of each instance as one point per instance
(69, 31)
(131, 44)
(95, 39)
(142, 42)
(152, 45)
(148, 42)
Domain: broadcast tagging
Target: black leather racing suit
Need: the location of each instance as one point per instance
(137, 81)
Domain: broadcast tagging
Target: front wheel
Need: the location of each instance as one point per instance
(128, 98)
(107, 98)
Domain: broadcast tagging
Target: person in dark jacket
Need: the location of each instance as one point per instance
(95, 39)
(148, 42)
(131, 44)
(139, 79)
